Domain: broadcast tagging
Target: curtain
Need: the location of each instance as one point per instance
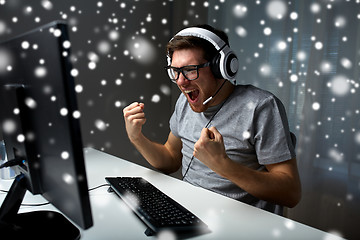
(308, 54)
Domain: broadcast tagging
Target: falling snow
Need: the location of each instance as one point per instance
(65, 155)
(309, 58)
(9, 126)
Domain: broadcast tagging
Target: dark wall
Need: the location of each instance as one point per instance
(125, 41)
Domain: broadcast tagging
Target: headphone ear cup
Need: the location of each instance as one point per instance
(232, 65)
(215, 66)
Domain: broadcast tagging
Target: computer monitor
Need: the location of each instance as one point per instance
(40, 126)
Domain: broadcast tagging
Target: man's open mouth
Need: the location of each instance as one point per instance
(193, 94)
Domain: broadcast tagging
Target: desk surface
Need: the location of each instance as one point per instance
(226, 218)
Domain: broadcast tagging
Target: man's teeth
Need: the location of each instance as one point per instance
(188, 91)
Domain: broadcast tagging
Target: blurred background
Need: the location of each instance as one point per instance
(305, 52)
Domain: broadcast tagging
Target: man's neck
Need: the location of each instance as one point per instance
(223, 94)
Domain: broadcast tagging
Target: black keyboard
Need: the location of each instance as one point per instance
(157, 210)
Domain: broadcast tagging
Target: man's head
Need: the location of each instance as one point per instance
(183, 42)
(199, 57)
(214, 42)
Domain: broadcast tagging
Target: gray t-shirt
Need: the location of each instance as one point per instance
(255, 130)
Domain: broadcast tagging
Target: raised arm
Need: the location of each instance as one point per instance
(164, 157)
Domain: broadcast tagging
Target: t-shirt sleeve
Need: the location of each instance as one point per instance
(174, 119)
(271, 132)
(173, 124)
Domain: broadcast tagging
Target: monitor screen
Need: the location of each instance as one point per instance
(40, 119)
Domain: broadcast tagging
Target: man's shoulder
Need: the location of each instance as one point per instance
(181, 102)
(252, 93)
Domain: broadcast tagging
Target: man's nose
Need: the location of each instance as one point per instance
(182, 80)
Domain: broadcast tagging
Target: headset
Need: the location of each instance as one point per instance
(225, 64)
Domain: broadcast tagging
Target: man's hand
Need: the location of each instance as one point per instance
(210, 149)
(134, 117)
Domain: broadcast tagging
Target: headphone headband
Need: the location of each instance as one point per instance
(204, 34)
(225, 64)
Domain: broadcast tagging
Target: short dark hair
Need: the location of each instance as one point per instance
(186, 42)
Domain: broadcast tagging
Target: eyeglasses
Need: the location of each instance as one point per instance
(190, 72)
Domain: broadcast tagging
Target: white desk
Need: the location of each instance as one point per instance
(226, 218)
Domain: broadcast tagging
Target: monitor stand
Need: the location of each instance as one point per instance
(36, 224)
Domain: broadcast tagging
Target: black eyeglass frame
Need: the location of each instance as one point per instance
(181, 70)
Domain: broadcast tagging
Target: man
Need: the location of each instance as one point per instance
(230, 139)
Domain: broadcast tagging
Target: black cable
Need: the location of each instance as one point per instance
(28, 204)
(207, 125)
(13, 162)
(43, 204)
(34, 204)
(103, 185)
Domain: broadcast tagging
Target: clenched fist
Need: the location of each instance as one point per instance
(210, 149)
(134, 117)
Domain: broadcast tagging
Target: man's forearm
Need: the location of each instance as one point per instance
(156, 154)
(277, 186)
